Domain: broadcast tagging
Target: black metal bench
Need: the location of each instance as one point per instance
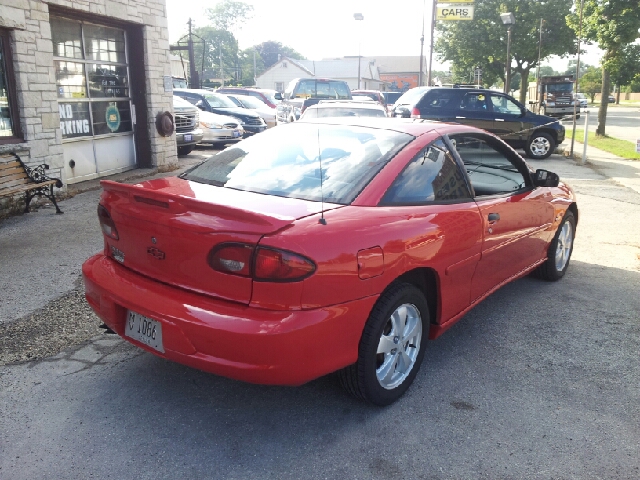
(16, 177)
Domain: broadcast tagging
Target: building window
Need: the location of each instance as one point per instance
(92, 79)
(9, 119)
(280, 87)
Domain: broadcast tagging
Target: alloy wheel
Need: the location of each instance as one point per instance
(563, 247)
(540, 146)
(398, 346)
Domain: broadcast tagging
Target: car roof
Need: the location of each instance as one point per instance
(415, 127)
(199, 91)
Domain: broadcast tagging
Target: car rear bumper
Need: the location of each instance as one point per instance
(229, 339)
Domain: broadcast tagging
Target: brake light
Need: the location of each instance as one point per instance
(233, 258)
(415, 113)
(106, 223)
(278, 265)
(261, 264)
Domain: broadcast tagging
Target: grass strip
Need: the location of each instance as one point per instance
(620, 148)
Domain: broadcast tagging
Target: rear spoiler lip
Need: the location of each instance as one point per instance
(178, 203)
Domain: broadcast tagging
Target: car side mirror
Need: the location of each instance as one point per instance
(278, 96)
(523, 111)
(200, 104)
(545, 178)
(287, 95)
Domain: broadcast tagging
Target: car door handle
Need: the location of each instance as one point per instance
(493, 217)
(461, 117)
(499, 119)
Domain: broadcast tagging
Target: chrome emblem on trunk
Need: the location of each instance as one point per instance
(155, 253)
(153, 240)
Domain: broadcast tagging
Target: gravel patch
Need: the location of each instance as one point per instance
(62, 323)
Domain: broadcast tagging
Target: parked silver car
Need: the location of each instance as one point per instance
(186, 118)
(220, 129)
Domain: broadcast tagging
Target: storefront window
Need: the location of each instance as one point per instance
(93, 89)
(9, 122)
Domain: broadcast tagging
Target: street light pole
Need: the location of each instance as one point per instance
(573, 132)
(359, 17)
(509, 20)
(420, 79)
(433, 27)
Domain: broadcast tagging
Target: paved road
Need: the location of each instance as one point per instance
(539, 381)
(622, 122)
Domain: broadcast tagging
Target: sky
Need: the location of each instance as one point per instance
(327, 29)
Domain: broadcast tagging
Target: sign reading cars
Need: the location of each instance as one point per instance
(456, 11)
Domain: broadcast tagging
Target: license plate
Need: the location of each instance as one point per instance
(144, 330)
(188, 138)
(236, 134)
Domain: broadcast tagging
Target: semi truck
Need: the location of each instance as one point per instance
(553, 96)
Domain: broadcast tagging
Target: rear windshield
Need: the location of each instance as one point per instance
(343, 112)
(322, 89)
(219, 101)
(291, 160)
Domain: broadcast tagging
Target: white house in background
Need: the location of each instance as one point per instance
(281, 73)
(278, 75)
(347, 69)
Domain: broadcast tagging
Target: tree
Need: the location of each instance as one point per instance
(230, 14)
(270, 51)
(483, 41)
(624, 67)
(218, 45)
(591, 82)
(613, 24)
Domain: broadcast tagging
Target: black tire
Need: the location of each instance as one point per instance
(540, 146)
(549, 270)
(185, 150)
(360, 379)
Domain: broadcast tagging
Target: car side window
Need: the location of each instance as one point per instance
(432, 176)
(502, 104)
(490, 166)
(474, 102)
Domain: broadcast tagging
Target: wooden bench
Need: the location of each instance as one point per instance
(16, 177)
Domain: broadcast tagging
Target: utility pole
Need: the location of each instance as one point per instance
(194, 83)
(255, 76)
(573, 134)
(221, 71)
(538, 102)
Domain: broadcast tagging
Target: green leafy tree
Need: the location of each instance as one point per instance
(230, 15)
(613, 24)
(591, 82)
(215, 53)
(483, 41)
(270, 51)
(624, 67)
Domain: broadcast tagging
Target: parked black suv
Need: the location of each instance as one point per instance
(493, 111)
(220, 104)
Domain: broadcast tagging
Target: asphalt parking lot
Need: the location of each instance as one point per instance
(538, 381)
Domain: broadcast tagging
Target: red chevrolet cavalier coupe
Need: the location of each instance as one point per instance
(322, 247)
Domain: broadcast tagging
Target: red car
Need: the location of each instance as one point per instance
(322, 247)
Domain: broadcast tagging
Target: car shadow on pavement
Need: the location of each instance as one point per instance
(540, 377)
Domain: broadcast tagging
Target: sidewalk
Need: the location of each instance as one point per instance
(624, 172)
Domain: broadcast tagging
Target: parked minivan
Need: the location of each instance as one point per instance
(493, 111)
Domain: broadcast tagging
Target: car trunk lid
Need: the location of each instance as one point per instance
(168, 227)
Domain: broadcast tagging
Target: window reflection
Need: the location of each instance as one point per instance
(104, 43)
(5, 114)
(67, 38)
(70, 80)
(108, 81)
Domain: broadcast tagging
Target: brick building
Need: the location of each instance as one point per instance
(81, 83)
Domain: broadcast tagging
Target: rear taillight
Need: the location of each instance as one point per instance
(106, 223)
(415, 113)
(233, 258)
(278, 265)
(261, 264)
